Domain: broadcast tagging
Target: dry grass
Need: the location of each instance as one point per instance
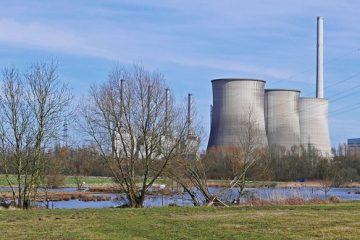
(65, 196)
(290, 201)
(106, 189)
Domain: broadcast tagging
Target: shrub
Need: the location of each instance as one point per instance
(55, 180)
(334, 199)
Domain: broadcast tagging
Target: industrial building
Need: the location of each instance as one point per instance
(354, 146)
(281, 116)
(234, 101)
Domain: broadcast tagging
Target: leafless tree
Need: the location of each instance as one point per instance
(326, 185)
(189, 170)
(190, 174)
(15, 135)
(246, 151)
(249, 150)
(33, 107)
(135, 127)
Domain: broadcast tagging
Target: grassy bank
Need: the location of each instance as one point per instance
(69, 181)
(332, 221)
(89, 180)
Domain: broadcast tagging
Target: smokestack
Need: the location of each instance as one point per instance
(148, 117)
(320, 59)
(121, 97)
(166, 110)
(189, 114)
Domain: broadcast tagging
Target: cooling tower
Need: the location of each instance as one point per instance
(314, 129)
(282, 117)
(235, 101)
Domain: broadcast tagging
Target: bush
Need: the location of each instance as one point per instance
(334, 199)
(55, 180)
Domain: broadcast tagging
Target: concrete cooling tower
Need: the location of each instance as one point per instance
(282, 117)
(314, 129)
(234, 100)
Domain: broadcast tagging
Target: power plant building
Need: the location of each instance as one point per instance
(314, 129)
(282, 116)
(235, 102)
(354, 146)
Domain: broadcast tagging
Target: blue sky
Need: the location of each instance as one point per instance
(192, 42)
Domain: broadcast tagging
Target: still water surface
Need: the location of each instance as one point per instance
(345, 194)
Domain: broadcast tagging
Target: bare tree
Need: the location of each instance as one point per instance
(189, 170)
(190, 174)
(328, 173)
(135, 127)
(15, 135)
(33, 107)
(248, 151)
(326, 185)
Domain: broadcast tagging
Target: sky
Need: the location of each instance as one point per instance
(192, 42)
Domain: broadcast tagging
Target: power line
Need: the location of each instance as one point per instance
(326, 62)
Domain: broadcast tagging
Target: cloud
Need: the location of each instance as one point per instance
(126, 45)
(230, 65)
(268, 36)
(40, 36)
(273, 40)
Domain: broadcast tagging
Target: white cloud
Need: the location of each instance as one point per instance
(260, 38)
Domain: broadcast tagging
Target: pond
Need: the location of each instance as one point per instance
(345, 194)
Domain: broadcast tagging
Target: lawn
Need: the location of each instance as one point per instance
(331, 221)
(4, 183)
(89, 180)
(69, 181)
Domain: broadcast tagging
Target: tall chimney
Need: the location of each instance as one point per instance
(189, 114)
(320, 59)
(167, 110)
(121, 97)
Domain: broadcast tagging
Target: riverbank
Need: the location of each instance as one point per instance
(69, 181)
(106, 183)
(328, 221)
(275, 184)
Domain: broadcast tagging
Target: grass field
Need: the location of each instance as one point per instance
(68, 181)
(331, 221)
(3, 182)
(89, 180)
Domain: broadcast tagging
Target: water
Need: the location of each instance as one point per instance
(62, 189)
(90, 204)
(345, 194)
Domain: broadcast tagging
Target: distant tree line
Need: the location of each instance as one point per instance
(296, 164)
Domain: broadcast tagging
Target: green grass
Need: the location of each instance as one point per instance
(68, 182)
(332, 221)
(89, 180)
(93, 180)
(4, 183)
